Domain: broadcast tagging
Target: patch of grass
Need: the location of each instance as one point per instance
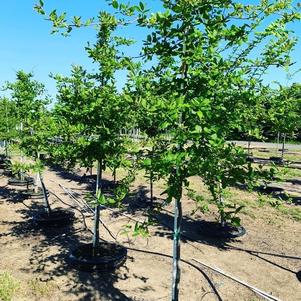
(293, 212)
(40, 288)
(288, 173)
(8, 286)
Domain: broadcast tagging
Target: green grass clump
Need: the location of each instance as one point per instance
(8, 286)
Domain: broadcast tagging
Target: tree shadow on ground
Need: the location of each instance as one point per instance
(11, 195)
(271, 257)
(274, 191)
(138, 201)
(49, 251)
(191, 231)
(64, 173)
(88, 180)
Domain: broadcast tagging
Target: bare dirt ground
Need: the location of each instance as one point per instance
(267, 257)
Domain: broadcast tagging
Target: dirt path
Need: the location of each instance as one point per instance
(268, 145)
(38, 258)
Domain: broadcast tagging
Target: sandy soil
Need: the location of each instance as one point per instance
(267, 257)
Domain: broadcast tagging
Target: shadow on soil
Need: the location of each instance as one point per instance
(261, 255)
(50, 248)
(11, 195)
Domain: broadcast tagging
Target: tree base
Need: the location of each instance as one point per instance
(277, 160)
(7, 173)
(57, 217)
(30, 193)
(298, 274)
(215, 229)
(107, 257)
(17, 182)
(4, 163)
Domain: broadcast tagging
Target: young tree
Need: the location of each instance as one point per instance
(284, 113)
(28, 96)
(93, 112)
(203, 54)
(7, 122)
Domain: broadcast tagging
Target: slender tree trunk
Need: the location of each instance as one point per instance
(21, 131)
(221, 205)
(45, 196)
(249, 145)
(97, 208)
(38, 181)
(177, 247)
(151, 178)
(283, 145)
(6, 148)
(114, 175)
(178, 214)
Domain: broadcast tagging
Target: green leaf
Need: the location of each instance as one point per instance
(115, 4)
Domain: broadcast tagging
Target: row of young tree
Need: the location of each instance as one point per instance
(205, 82)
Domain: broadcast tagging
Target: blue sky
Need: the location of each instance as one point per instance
(26, 42)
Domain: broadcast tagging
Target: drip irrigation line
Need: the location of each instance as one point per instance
(103, 206)
(229, 245)
(110, 233)
(253, 288)
(263, 253)
(184, 261)
(73, 207)
(82, 205)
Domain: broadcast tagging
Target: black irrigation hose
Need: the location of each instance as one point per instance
(191, 264)
(73, 207)
(154, 253)
(219, 298)
(84, 218)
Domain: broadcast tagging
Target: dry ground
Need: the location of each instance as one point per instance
(267, 257)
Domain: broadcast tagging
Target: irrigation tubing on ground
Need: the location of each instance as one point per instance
(230, 246)
(84, 218)
(254, 289)
(105, 207)
(184, 261)
(111, 234)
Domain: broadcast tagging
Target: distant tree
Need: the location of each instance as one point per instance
(7, 121)
(284, 112)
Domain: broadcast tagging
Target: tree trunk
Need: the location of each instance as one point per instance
(97, 208)
(6, 148)
(176, 272)
(151, 178)
(221, 201)
(21, 130)
(44, 190)
(38, 178)
(114, 175)
(176, 247)
(283, 145)
(249, 145)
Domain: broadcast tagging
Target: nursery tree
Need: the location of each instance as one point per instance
(284, 114)
(93, 112)
(252, 116)
(28, 96)
(203, 54)
(7, 121)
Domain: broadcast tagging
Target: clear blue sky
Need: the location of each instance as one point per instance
(26, 42)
